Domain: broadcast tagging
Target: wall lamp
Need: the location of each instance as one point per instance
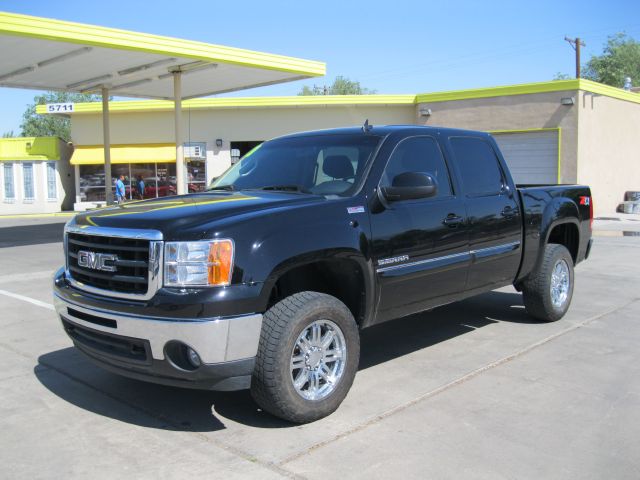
(218, 142)
(567, 101)
(425, 112)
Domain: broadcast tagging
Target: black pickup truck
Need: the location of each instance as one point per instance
(265, 280)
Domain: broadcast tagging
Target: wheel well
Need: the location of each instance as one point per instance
(342, 279)
(566, 234)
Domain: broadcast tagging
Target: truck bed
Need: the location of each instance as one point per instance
(544, 207)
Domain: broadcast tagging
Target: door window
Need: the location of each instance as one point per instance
(479, 168)
(419, 154)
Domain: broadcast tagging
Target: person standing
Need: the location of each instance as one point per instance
(120, 192)
(140, 187)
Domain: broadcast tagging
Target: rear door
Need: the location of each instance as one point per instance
(420, 247)
(493, 214)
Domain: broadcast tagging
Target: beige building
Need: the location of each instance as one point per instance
(568, 131)
(35, 175)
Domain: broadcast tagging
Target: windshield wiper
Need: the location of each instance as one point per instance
(228, 188)
(286, 188)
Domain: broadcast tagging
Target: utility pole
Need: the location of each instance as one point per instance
(576, 43)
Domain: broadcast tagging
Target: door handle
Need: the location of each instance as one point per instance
(508, 212)
(452, 220)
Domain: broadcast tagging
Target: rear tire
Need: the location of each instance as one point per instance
(547, 292)
(307, 357)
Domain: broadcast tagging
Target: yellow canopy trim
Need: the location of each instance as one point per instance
(142, 153)
(29, 148)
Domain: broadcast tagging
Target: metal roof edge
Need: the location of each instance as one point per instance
(72, 32)
(500, 91)
(364, 100)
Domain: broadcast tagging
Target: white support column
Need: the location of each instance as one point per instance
(106, 140)
(177, 119)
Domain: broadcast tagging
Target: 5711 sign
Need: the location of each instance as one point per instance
(59, 107)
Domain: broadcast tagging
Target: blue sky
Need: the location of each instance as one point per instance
(392, 46)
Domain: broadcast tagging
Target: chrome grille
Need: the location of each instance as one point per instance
(135, 256)
(132, 264)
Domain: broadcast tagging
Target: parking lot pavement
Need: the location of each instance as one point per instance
(471, 390)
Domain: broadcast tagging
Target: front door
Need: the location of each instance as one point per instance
(420, 247)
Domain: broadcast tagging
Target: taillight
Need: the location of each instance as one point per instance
(584, 200)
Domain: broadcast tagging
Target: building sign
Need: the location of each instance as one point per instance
(59, 107)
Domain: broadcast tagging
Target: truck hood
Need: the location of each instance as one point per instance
(195, 211)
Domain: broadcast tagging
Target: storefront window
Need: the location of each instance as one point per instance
(196, 175)
(92, 183)
(159, 180)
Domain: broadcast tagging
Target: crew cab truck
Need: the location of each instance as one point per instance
(265, 280)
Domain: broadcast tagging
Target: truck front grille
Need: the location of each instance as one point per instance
(127, 257)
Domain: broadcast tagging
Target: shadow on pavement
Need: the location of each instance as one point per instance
(17, 236)
(169, 408)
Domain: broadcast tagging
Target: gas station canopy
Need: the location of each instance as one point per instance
(47, 54)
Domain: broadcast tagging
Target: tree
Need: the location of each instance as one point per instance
(35, 125)
(8, 134)
(620, 59)
(561, 76)
(341, 86)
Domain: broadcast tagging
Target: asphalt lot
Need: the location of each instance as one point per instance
(471, 390)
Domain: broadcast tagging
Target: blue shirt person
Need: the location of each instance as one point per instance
(140, 188)
(120, 193)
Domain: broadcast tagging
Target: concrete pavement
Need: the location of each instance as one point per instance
(471, 390)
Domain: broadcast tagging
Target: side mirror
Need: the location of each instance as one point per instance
(411, 186)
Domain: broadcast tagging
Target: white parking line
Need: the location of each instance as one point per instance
(27, 299)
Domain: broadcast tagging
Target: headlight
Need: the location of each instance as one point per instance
(207, 263)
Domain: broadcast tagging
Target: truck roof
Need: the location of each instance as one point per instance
(383, 130)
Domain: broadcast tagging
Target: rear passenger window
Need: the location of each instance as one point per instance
(419, 154)
(478, 165)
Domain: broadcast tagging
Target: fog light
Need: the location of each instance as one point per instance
(194, 358)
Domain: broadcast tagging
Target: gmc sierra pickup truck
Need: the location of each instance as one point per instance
(265, 280)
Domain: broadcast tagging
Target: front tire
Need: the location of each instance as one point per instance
(548, 291)
(307, 357)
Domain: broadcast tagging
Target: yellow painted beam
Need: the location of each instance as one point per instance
(240, 102)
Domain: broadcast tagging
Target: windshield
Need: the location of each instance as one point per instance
(319, 164)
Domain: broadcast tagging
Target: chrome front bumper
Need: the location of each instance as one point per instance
(216, 340)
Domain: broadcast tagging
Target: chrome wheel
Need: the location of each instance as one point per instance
(560, 284)
(318, 360)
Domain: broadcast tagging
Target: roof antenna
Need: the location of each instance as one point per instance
(366, 128)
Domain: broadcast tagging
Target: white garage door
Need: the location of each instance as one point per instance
(532, 156)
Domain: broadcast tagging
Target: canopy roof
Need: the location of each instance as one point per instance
(46, 54)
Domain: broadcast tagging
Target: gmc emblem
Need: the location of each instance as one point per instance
(97, 261)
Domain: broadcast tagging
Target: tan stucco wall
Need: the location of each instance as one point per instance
(515, 112)
(609, 148)
(230, 125)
